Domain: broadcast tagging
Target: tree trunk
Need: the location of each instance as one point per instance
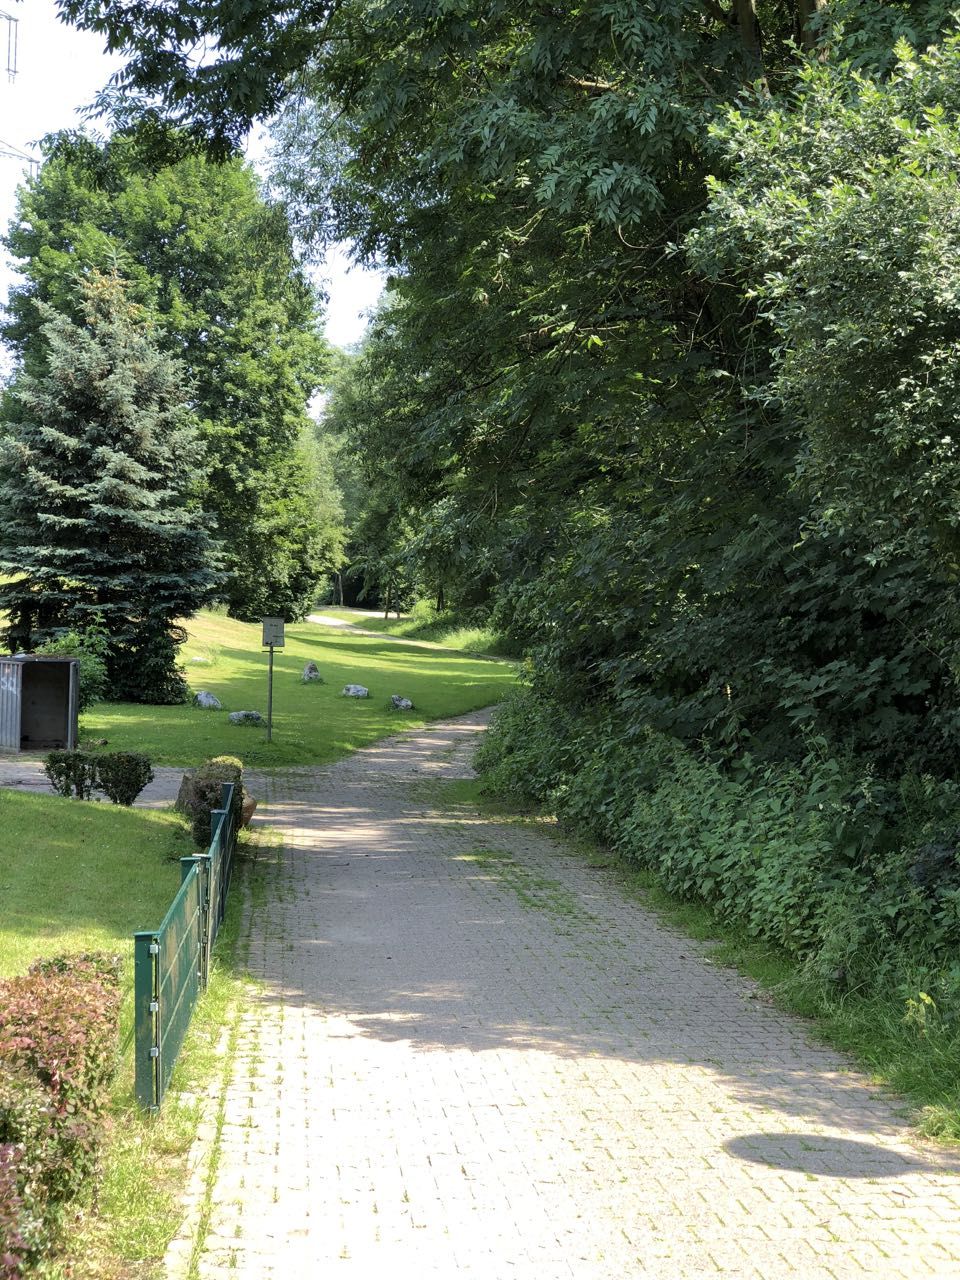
(386, 611)
(441, 599)
(340, 589)
(806, 10)
(746, 16)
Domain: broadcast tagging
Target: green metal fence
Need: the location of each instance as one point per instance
(172, 963)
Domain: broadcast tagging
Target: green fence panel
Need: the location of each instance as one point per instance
(172, 963)
(146, 948)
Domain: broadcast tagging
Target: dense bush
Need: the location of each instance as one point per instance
(71, 773)
(58, 1054)
(856, 878)
(120, 775)
(200, 794)
(13, 1245)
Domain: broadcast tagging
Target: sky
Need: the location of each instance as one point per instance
(59, 71)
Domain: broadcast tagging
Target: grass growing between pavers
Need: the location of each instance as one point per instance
(883, 1034)
(312, 723)
(531, 888)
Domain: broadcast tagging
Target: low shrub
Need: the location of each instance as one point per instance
(71, 773)
(28, 1134)
(59, 1033)
(14, 1249)
(200, 794)
(120, 775)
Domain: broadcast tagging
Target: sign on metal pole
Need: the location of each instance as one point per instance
(273, 633)
(272, 638)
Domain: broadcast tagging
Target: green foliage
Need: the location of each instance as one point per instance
(91, 647)
(15, 1233)
(71, 773)
(663, 387)
(99, 521)
(856, 879)
(201, 793)
(839, 212)
(120, 775)
(210, 261)
(58, 1054)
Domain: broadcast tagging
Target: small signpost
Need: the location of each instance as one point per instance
(272, 639)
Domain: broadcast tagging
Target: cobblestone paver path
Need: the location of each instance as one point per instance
(470, 1055)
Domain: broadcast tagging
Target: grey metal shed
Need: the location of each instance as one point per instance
(39, 703)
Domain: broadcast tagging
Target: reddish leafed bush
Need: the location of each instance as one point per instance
(58, 1054)
(13, 1246)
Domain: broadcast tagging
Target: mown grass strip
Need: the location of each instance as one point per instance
(139, 1201)
(78, 876)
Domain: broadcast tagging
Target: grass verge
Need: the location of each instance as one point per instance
(82, 877)
(139, 1205)
(312, 723)
(898, 1046)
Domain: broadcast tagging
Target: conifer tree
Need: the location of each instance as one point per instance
(99, 523)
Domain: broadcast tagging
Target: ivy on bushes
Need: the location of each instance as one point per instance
(58, 1054)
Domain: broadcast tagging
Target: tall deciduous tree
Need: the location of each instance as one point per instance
(100, 522)
(559, 373)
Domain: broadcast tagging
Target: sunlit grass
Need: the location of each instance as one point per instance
(79, 876)
(313, 723)
(425, 624)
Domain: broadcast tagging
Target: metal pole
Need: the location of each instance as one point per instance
(270, 699)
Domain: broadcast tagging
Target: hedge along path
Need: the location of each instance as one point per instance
(469, 1054)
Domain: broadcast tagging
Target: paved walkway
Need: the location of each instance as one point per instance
(469, 1055)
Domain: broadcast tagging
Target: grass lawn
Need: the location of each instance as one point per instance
(82, 877)
(312, 724)
(425, 624)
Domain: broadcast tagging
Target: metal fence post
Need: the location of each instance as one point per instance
(146, 1012)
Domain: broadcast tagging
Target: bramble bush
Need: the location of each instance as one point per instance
(59, 1034)
(856, 878)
